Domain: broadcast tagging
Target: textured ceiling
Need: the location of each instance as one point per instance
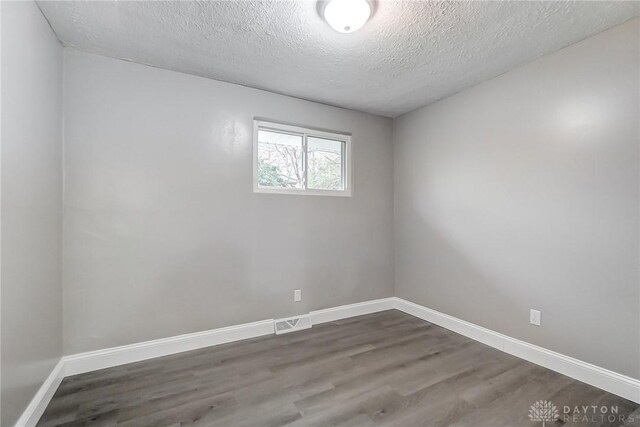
(410, 54)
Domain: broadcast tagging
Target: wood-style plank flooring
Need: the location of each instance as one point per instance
(383, 369)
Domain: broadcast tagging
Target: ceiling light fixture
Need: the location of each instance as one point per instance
(345, 16)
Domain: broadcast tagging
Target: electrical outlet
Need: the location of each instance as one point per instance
(297, 295)
(535, 317)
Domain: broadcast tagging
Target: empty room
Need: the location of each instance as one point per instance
(356, 213)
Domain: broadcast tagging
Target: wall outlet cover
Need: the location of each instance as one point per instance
(535, 317)
(297, 295)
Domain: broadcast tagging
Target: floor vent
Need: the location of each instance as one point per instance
(292, 324)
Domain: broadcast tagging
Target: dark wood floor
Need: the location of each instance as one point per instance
(384, 369)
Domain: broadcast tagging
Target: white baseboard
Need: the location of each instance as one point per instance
(610, 381)
(351, 310)
(607, 380)
(107, 358)
(110, 357)
(115, 356)
(38, 404)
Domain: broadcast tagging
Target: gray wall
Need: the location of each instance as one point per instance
(523, 192)
(163, 233)
(31, 205)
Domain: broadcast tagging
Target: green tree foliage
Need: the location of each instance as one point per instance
(325, 170)
(271, 176)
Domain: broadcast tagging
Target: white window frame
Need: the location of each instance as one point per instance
(305, 133)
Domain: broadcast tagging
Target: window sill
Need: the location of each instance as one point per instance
(329, 193)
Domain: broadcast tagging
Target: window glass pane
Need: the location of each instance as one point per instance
(279, 159)
(324, 164)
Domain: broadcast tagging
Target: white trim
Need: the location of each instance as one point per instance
(304, 133)
(38, 404)
(107, 358)
(469, 330)
(351, 310)
(607, 380)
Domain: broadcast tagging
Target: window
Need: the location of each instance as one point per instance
(295, 160)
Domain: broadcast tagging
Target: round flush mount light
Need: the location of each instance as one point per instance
(345, 16)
